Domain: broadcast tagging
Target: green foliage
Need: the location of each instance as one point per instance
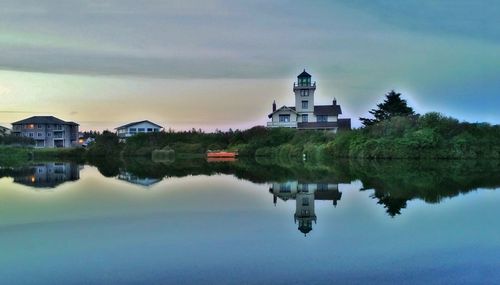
(16, 140)
(73, 154)
(429, 136)
(393, 106)
(106, 144)
(12, 156)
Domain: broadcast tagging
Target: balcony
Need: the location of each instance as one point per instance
(281, 124)
(317, 125)
(297, 86)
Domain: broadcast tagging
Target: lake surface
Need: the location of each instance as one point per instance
(246, 222)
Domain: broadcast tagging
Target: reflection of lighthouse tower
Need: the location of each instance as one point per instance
(304, 212)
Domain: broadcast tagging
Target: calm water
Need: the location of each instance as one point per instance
(193, 222)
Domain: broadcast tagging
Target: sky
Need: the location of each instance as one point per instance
(219, 64)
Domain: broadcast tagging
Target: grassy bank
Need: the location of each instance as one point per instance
(430, 136)
(13, 156)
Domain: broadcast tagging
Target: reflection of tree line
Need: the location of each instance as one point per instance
(394, 182)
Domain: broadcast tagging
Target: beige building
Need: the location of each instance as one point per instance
(47, 131)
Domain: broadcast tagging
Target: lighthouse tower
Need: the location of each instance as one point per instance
(304, 96)
(304, 209)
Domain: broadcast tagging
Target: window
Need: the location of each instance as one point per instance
(304, 81)
(284, 118)
(31, 135)
(39, 134)
(304, 187)
(49, 127)
(305, 104)
(322, 187)
(49, 134)
(140, 130)
(305, 201)
(304, 92)
(285, 188)
(132, 130)
(39, 126)
(30, 126)
(305, 118)
(322, 118)
(155, 130)
(150, 130)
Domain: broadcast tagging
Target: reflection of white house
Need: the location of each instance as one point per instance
(306, 115)
(304, 195)
(4, 131)
(131, 178)
(134, 128)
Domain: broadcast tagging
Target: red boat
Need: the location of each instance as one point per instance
(221, 154)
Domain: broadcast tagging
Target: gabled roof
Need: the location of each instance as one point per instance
(283, 108)
(4, 128)
(304, 74)
(43, 120)
(327, 110)
(136, 123)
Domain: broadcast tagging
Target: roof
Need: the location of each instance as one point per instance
(281, 109)
(43, 120)
(304, 74)
(136, 123)
(327, 110)
(4, 128)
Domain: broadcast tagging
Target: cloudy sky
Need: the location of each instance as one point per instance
(221, 63)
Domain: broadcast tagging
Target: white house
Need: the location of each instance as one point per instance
(134, 128)
(306, 115)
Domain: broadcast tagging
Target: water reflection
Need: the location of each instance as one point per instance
(305, 194)
(391, 183)
(134, 179)
(43, 175)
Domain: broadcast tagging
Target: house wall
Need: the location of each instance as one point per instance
(299, 98)
(125, 132)
(275, 121)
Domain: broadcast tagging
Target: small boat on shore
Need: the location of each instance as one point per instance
(221, 159)
(222, 154)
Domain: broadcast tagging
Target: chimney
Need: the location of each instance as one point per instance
(334, 101)
(274, 106)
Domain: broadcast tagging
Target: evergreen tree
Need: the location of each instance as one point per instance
(392, 106)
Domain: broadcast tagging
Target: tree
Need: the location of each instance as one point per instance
(392, 106)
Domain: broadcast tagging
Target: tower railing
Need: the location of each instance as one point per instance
(312, 84)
